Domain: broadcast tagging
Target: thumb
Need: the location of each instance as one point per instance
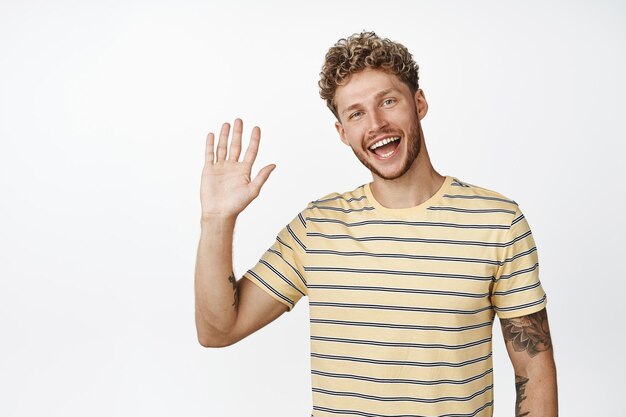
(261, 177)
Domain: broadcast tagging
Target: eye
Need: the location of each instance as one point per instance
(389, 101)
(355, 115)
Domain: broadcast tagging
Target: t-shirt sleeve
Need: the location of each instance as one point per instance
(280, 271)
(517, 290)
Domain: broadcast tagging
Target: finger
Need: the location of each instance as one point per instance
(208, 152)
(235, 144)
(261, 177)
(222, 143)
(253, 146)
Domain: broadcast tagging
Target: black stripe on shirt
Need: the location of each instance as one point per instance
(401, 381)
(302, 220)
(473, 211)
(396, 272)
(520, 289)
(404, 256)
(418, 240)
(400, 290)
(408, 223)
(400, 326)
(517, 219)
(366, 208)
(522, 306)
(518, 272)
(519, 255)
(367, 414)
(402, 363)
(279, 240)
(295, 237)
(408, 399)
(269, 287)
(479, 197)
(278, 273)
(277, 253)
(414, 309)
(457, 183)
(340, 197)
(401, 344)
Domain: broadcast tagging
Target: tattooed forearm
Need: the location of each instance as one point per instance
(520, 388)
(528, 333)
(233, 281)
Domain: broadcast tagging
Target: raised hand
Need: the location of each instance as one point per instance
(226, 188)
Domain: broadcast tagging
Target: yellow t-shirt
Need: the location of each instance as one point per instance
(402, 301)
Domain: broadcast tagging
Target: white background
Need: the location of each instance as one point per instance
(104, 107)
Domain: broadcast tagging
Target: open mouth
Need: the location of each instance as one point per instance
(385, 148)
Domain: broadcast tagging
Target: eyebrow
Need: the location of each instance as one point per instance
(376, 97)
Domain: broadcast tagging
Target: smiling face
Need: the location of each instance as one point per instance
(379, 118)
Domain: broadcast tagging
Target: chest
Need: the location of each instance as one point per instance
(400, 266)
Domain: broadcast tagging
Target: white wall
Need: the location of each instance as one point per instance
(104, 107)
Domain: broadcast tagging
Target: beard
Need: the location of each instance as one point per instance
(413, 149)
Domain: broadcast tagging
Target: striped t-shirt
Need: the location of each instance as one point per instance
(402, 301)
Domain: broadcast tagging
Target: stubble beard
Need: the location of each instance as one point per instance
(413, 150)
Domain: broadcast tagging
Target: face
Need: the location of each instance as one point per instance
(379, 118)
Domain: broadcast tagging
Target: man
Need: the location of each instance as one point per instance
(404, 275)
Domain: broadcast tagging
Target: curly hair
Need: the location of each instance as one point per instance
(358, 52)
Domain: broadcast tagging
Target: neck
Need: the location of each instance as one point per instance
(417, 185)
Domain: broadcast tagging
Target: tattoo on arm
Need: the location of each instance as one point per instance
(520, 388)
(528, 333)
(233, 281)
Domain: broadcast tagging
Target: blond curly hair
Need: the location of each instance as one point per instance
(358, 52)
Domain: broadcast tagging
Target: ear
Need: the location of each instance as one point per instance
(342, 133)
(421, 103)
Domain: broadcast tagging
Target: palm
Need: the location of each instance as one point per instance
(227, 188)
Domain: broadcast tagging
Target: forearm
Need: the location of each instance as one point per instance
(536, 389)
(226, 190)
(529, 345)
(216, 291)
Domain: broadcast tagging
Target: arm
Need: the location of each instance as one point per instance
(227, 310)
(529, 346)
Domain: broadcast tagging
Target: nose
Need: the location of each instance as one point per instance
(377, 121)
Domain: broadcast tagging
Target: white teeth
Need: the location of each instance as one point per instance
(384, 142)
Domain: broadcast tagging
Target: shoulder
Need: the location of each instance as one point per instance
(470, 196)
(347, 199)
(339, 204)
(464, 191)
(330, 208)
